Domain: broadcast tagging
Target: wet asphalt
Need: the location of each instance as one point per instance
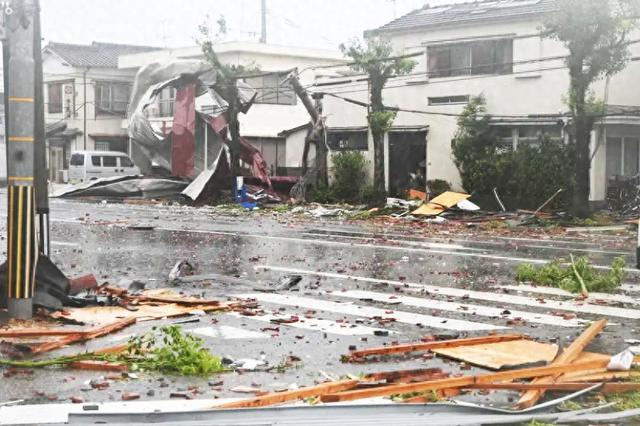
(422, 279)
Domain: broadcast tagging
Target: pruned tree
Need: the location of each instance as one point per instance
(596, 34)
(374, 57)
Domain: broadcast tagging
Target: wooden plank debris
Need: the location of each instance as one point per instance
(570, 354)
(441, 203)
(427, 346)
(83, 336)
(293, 395)
(499, 355)
(461, 382)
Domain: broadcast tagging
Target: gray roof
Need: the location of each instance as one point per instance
(104, 55)
(468, 13)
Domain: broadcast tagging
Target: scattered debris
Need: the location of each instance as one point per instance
(502, 355)
(440, 204)
(166, 349)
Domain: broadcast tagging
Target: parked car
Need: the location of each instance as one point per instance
(90, 165)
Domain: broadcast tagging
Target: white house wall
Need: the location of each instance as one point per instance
(55, 71)
(530, 89)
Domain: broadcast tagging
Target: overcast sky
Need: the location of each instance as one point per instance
(174, 23)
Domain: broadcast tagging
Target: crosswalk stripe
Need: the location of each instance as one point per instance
(567, 305)
(369, 312)
(461, 308)
(227, 332)
(560, 292)
(317, 324)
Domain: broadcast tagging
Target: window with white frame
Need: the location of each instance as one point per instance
(271, 89)
(112, 97)
(471, 58)
(512, 137)
(166, 100)
(622, 156)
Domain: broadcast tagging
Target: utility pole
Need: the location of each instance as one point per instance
(22, 251)
(40, 143)
(263, 15)
(84, 108)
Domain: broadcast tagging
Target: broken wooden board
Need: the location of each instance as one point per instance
(441, 203)
(107, 314)
(461, 382)
(567, 357)
(426, 346)
(500, 355)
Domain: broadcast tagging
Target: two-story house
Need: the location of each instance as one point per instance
(276, 107)
(492, 48)
(86, 97)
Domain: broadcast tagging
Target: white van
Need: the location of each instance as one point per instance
(90, 165)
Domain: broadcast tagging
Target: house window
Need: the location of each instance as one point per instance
(348, 140)
(271, 90)
(511, 138)
(471, 58)
(165, 102)
(449, 100)
(55, 98)
(103, 146)
(622, 157)
(112, 97)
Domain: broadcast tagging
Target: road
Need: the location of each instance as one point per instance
(430, 279)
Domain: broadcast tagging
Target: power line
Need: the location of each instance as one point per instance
(450, 114)
(449, 70)
(449, 80)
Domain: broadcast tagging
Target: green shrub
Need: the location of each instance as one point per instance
(526, 177)
(322, 194)
(568, 277)
(438, 186)
(371, 197)
(349, 176)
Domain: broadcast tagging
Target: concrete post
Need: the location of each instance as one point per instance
(21, 247)
(40, 143)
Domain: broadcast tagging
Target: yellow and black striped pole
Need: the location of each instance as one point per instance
(22, 248)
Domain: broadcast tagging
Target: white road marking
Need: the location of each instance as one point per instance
(560, 292)
(228, 332)
(64, 243)
(485, 311)
(568, 305)
(369, 312)
(375, 246)
(317, 324)
(409, 242)
(371, 235)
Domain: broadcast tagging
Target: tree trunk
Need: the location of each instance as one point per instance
(582, 128)
(378, 137)
(378, 161)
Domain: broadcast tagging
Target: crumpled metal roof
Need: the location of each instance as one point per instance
(104, 55)
(471, 12)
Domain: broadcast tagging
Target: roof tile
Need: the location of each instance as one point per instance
(471, 12)
(96, 54)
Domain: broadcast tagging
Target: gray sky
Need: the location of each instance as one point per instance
(173, 23)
